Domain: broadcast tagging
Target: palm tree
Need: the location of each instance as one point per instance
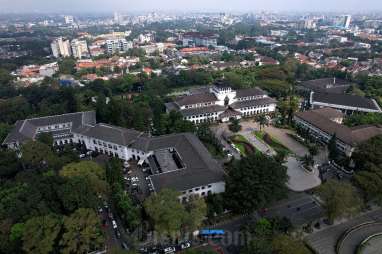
(262, 119)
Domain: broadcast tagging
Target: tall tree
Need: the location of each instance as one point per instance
(90, 170)
(166, 211)
(82, 233)
(332, 147)
(284, 244)
(254, 182)
(40, 234)
(340, 199)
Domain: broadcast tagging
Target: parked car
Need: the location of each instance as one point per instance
(185, 245)
(81, 156)
(117, 234)
(114, 224)
(169, 250)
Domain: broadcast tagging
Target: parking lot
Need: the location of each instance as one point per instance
(136, 180)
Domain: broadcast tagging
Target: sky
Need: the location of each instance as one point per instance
(189, 5)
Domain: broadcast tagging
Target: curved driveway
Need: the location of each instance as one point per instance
(351, 242)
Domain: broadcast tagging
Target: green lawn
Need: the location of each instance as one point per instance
(237, 140)
(272, 142)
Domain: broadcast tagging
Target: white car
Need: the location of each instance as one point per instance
(169, 250)
(185, 245)
(114, 224)
(135, 179)
(82, 156)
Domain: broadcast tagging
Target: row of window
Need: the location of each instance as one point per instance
(255, 107)
(249, 98)
(199, 105)
(201, 115)
(197, 189)
(55, 127)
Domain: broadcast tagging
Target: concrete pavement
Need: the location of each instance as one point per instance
(300, 179)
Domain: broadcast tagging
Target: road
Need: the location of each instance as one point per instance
(324, 241)
(300, 208)
(218, 131)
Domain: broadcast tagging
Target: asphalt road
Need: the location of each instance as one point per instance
(300, 208)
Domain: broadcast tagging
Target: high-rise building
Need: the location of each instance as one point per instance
(118, 45)
(79, 48)
(117, 18)
(343, 21)
(69, 20)
(310, 24)
(61, 48)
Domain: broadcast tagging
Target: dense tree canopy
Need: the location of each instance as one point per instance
(254, 182)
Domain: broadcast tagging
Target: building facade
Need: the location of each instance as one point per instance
(194, 39)
(61, 48)
(323, 123)
(220, 103)
(79, 48)
(118, 45)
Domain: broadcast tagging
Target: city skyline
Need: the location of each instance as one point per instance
(196, 5)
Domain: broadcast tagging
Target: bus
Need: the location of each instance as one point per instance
(211, 233)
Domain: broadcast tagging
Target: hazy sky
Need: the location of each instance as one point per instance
(190, 5)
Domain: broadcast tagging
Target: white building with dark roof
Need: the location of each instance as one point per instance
(177, 161)
(220, 103)
(323, 123)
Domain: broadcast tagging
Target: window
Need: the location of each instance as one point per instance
(190, 191)
(94, 142)
(196, 189)
(203, 187)
(209, 186)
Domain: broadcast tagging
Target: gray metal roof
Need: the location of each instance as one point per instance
(346, 100)
(350, 136)
(26, 129)
(202, 110)
(196, 98)
(112, 134)
(250, 92)
(200, 168)
(251, 103)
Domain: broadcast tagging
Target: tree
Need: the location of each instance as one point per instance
(90, 170)
(166, 211)
(254, 182)
(129, 213)
(340, 199)
(76, 193)
(66, 66)
(197, 211)
(37, 155)
(370, 182)
(235, 125)
(284, 244)
(262, 119)
(369, 152)
(332, 147)
(40, 234)
(9, 164)
(82, 232)
(5, 77)
(45, 138)
(4, 130)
